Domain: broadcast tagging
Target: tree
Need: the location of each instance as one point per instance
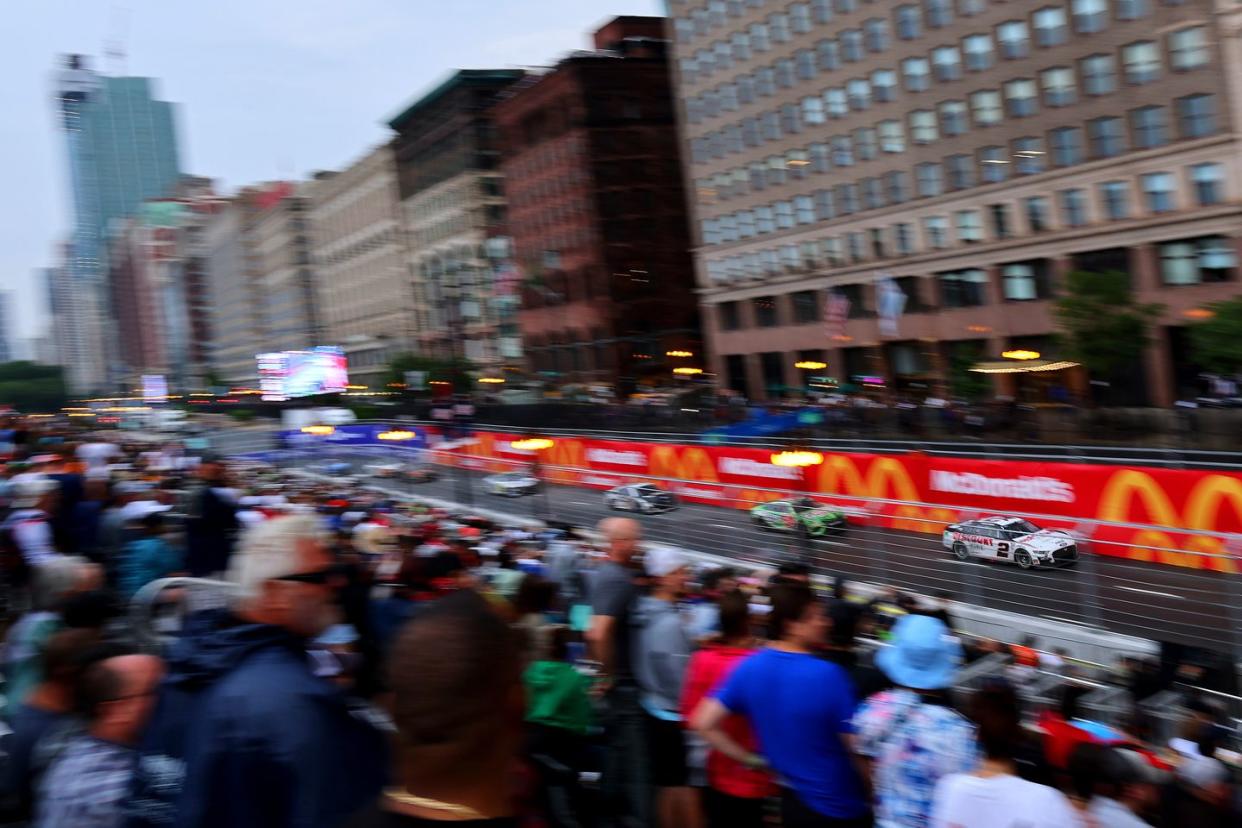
(33, 388)
(457, 371)
(1217, 341)
(963, 382)
(1101, 325)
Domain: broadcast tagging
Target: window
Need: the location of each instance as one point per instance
(730, 318)
(963, 288)
(923, 128)
(1060, 88)
(1050, 28)
(999, 214)
(1090, 15)
(1036, 213)
(784, 215)
(1020, 96)
(872, 193)
(1141, 62)
(828, 55)
(917, 73)
(804, 209)
(1195, 261)
(1073, 207)
(969, 8)
(784, 73)
(804, 63)
(846, 6)
(884, 85)
(821, 161)
(986, 106)
(764, 308)
(947, 61)
(854, 243)
(930, 179)
(852, 45)
(836, 103)
(813, 110)
(800, 18)
(1107, 136)
(1099, 74)
(939, 12)
(806, 307)
(821, 10)
(825, 206)
(1066, 144)
(909, 22)
(903, 238)
(1149, 125)
(765, 81)
(937, 230)
(875, 33)
(1014, 39)
(892, 137)
(1115, 199)
(1188, 48)
(993, 164)
(858, 91)
(1208, 181)
(759, 40)
(897, 186)
(969, 227)
(953, 117)
(978, 50)
(765, 219)
(833, 252)
(1025, 281)
(842, 151)
(1196, 116)
(866, 147)
(1133, 9)
(778, 26)
(1159, 192)
(847, 198)
(960, 170)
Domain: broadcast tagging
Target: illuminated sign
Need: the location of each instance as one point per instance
(1021, 354)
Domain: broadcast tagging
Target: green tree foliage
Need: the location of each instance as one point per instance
(33, 388)
(1101, 326)
(963, 382)
(457, 371)
(1217, 342)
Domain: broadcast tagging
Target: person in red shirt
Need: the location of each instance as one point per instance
(735, 792)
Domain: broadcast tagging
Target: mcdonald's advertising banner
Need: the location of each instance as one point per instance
(914, 492)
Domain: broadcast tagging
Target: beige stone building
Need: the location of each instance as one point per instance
(362, 277)
(975, 151)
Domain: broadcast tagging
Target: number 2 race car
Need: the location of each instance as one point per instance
(1010, 539)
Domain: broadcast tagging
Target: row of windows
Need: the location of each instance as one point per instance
(1095, 75)
(1142, 63)
(1105, 137)
(1065, 146)
(1046, 27)
(1158, 193)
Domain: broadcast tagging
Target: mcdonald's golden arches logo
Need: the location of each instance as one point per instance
(684, 463)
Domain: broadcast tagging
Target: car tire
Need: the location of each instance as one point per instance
(759, 524)
(961, 552)
(1023, 559)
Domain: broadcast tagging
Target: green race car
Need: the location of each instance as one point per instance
(785, 515)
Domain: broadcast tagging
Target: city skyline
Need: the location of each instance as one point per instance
(251, 83)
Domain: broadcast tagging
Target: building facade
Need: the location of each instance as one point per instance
(281, 254)
(453, 212)
(975, 152)
(236, 313)
(8, 336)
(363, 288)
(597, 212)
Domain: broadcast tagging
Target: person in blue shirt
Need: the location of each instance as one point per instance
(148, 558)
(800, 707)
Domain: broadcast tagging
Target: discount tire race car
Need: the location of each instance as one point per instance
(1011, 540)
(647, 498)
(785, 515)
(511, 484)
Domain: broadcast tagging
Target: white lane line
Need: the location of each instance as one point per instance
(1067, 621)
(580, 503)
(723, 526)
(1152, 592)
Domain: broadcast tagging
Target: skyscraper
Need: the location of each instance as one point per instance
(6, 326)
(122, 149)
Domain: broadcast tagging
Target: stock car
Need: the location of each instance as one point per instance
(511, 484)
(647, 498)
(1010, 539)
(334, 468)
(421, 474)
(785, 515)
(385, 469)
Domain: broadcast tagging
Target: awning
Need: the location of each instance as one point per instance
(1029, 366)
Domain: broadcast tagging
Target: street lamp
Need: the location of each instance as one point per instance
(800, 459)
(811, 365)
(687, 371)
(679, 353)
(1021, 354)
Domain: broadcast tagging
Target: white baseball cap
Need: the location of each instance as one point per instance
(663, 560)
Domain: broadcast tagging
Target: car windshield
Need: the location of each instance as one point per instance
(1019, 528)
(646, 488)
(805, 504)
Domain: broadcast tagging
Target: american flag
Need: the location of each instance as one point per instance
(836, 311)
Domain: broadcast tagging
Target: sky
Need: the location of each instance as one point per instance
(267, 89)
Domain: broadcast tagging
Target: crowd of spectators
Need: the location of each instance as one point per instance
(339, 658)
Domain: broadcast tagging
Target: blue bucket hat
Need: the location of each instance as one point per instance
(921, 654)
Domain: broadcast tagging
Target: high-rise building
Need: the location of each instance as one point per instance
(453, 210)
(236, 314)
(122, 149)
(280, 248)
(364, 292)
(966, 153)
(7, 334)
(597, 212)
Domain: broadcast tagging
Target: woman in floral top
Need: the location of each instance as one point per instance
(909, 734)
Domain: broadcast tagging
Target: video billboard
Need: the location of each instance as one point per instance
(284, 375)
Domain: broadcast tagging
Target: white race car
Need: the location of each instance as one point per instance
(511, 484)
(385, 469)
(647, 498)
(1010, 539)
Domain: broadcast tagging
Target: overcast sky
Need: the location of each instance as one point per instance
(266, 88)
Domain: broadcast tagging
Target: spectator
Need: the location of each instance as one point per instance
(532, 604)
(613, 596)
(735, 793)
(841, 650)
(148, 558)
(455, 674)
(994, 795)
(1203, 783)
(260, 739)
(89, 785)
(28, 529)
(910, 735)
(661, 652)
(558, 716)
(800, 707)
(705, 614)
(212, 523)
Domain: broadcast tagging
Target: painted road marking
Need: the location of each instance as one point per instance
(723, 526)
(1152, 592)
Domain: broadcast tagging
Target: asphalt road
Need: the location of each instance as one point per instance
(1147, 600)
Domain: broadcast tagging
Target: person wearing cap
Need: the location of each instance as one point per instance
(661, 652)
(28, 529)
(909, 735)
